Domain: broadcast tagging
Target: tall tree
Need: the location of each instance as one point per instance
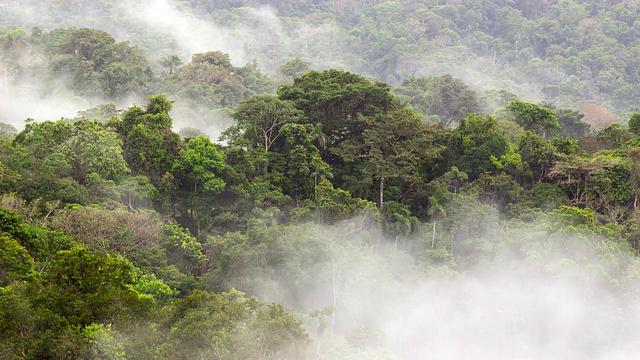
(94, 148)
(199, 167)
(435, 211)
(387, 144)
(533, 117)
(149, 144)
(335, 99)
(260, 118)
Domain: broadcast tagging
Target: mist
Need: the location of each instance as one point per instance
(165, 27)
(511, 313)
(522, 294)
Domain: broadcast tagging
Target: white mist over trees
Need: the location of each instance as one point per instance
(345, 179)
(539, 55)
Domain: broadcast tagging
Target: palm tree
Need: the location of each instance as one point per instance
(435, 211)
(399, 222)
(456, 178)
(319, 137)
(321, 171)
(171, 62)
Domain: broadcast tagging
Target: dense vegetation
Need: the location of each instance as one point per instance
(122, 238)
(574, 53)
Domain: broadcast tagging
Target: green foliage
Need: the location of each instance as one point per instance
(96, 64)
(439, 98)
(197, 169)
(98, 284)
(200, 161)
(149, 146)
(92, 148)
(547, 196)
(335, 98)
(566, 145)
(634, 124)
(538, 153)
(101, 113)
(295, 68)
(210, 81)
(533, 117)
(183, 249)
(387, 145)
(571, 124)
(613, 136)
(231, 326)
(15, 262)
(260, 118)
(171, 63)
(337, 204)
(145, 223)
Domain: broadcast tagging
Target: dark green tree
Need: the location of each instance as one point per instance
(634, 124)
(388, 146)
(571, 124)
(335, 99)
(533, 117)
(149, 144)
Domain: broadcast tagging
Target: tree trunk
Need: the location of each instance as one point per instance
(395, 246)
(381, 191)
(336, 287)
(433, 239)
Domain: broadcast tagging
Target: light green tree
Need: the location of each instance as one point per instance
(198, 167)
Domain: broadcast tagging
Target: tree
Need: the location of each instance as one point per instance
(571, 124)
(96, 64)
(490, 100)
(596, 116)
(399, 222)
(440, 98)
(149, 145)
(42, 143)
(472, 144)
(435, 211)
(538, 153)
(93, 148)
(211, 81)
(295, 68)
(109, 231)
(171, 62)
(15, 261)
(633, 156)
(230, 325)
(584, 179)
(260, 118)
(101, 113)
(533, 117)
(319, 137)
(199, 167)
(456, 178)
(86, 288)
(634, 124)
(387, 144)
(303, 162)
(335, 98)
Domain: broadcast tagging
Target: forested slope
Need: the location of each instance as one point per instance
(264, 210)
(571, 53)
